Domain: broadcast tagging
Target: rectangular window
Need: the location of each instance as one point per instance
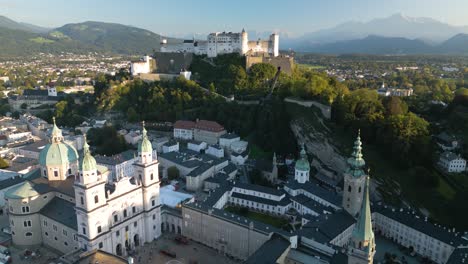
(45, 223)
(117, 233)
(64, 232)
(54, 227)
(84, 231)
(27, 223)
(56, 173)
(133, 209)
(101, 245)
(25, 209)
(99, 229)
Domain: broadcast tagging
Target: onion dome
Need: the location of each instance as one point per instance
(303, 163)
(88, 163)
(145, 144)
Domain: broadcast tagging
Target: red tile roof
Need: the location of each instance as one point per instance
(181, 124)
(209, 126)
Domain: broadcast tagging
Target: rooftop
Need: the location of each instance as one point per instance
(413, 220)
(209, 126)
(61, 211)
(270, 251)
(327, 226)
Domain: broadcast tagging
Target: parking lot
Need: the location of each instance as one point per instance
(185, 254)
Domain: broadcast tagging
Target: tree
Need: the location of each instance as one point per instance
(394, 106)
(172, 173)
(24, 106)
(132, 115)
(3, 164)
(260, 73)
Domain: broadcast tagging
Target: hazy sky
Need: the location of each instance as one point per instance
(177, 17)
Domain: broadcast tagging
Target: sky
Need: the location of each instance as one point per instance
(179, 17)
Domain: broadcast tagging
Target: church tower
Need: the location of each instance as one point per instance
(244, 42)
(90, 202)
(361, 248)
(302, 168)
(146, 169)
(354, 179)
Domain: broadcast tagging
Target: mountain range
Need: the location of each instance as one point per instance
(397, 34)
(18, 39)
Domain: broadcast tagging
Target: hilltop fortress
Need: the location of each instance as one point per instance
(224, 43)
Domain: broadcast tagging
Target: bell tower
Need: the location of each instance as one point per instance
(302, 168)
(91, 200)
(362, 245)
(354, 179)
(147, 174)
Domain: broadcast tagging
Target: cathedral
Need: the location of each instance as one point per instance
(69, 204)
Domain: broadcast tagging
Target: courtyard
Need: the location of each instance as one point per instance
(190, 253)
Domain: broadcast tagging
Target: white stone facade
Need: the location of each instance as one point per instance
(225, 43)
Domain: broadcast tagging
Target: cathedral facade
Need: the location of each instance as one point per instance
(69, 205)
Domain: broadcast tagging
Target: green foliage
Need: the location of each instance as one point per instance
(107, 141)
(402, 135)
(70, 114)
(173, 173)
(3, 164)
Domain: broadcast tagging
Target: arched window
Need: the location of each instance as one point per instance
(28, 234)
(96, 199)
(125, 212)
(349, 188)
(99, 229)
(82, 200)
(116, 218)
(359, 189)
(69, 171)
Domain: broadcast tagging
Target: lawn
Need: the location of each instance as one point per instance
(41, 40)
(264, 218)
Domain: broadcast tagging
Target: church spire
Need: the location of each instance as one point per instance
(362, 238)
(356, 161)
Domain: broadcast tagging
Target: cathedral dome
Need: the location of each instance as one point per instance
(57, 152)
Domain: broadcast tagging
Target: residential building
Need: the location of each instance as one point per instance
(452, 162)
(208, 131)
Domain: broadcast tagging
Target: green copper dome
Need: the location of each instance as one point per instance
(88, 163)
(356, 161)
(145, 144)
(57, 152)
(303, 163)
(24, 190)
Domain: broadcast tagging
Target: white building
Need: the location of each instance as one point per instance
(171, 146)
(141, 66)
(197, 146)
(184, 129)
(451, 162)
(78, 210)
(225, 43)
(215, 150)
